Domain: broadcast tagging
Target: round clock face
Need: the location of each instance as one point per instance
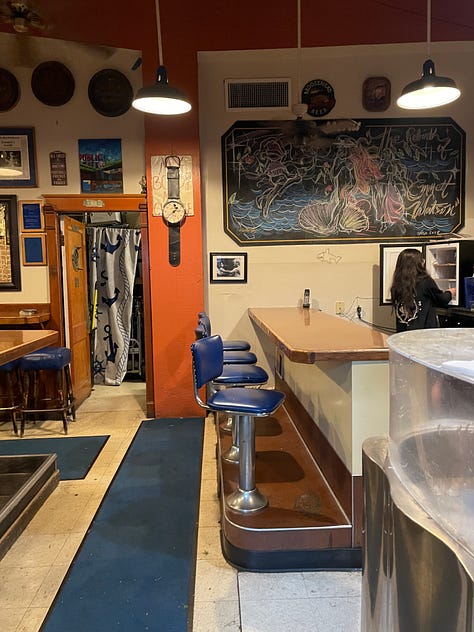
(173, 212)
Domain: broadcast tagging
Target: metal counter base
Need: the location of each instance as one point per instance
(415, 577)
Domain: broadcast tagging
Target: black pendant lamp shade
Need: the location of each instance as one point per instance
(161, 98)
(429, 91)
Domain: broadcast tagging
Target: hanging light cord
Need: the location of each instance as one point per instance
(158, 29)
(298, 51)
(428, 27)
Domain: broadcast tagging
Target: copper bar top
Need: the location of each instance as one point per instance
(308, 335)
(15, 343)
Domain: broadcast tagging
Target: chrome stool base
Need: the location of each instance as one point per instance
(246, 501)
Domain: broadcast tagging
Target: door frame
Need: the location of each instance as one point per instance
(57, 205)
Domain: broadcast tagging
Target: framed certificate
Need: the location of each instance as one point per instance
(31, 216)
(34, 250)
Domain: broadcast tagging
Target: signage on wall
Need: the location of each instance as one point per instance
(319, 97)
(57, 168)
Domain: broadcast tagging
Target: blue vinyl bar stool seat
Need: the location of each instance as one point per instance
(56, 359)
(230, 356)
(13, 394)
(229, 345)
(245, 403)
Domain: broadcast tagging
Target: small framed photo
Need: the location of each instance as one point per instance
(33, 249)
(228, 267)
(17, 157)
(31, 216)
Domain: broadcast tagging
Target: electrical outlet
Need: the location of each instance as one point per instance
(340, 307)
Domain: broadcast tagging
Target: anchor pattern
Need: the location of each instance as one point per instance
(113, 255)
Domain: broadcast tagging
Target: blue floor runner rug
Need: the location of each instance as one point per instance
(135, 568)
(75, 455)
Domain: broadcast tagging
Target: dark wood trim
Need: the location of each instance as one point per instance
(57, 205)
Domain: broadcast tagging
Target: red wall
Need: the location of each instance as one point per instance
(190, 26)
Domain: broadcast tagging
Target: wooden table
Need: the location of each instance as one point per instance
(15, 343)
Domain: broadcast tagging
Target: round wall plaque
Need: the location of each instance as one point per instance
(110, 92)
(9, 90)
(319, 96)
(52, 83)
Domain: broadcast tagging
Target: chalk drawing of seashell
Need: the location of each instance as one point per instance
(353, 219)
(318, 218)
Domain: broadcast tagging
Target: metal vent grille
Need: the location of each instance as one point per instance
(250, 94)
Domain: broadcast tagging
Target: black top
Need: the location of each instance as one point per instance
(428, 298)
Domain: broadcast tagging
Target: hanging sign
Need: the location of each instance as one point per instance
(57, 166)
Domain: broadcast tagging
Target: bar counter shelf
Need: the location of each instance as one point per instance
(334, 374)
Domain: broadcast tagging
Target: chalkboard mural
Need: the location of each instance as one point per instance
(339, 181)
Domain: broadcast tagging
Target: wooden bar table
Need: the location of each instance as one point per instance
(334, 374)
(15, 343)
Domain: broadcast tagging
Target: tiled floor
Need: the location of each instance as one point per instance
(225, 600)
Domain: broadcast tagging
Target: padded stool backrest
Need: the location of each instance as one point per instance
(208, 354)
(205, 321)
(200, 332)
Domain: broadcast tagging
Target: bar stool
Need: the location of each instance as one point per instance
(247, 404)
(12, 394)
(56, 359)
(231, 356)
(232, 376)
(229, 345)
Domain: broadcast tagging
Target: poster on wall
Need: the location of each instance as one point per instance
(341, 181)
(100, 164)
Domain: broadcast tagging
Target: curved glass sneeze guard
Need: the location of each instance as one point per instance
(431, 430)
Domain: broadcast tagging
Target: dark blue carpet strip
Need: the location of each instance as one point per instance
(75, 455)
(135, 568)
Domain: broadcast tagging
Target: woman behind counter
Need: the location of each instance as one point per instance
(415, 296)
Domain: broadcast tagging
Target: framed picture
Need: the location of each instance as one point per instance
(228, 267)
(17, 157)
(100, 165)
(31, 216)
(34, 250)
(10, 277)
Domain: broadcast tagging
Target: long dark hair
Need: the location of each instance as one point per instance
(410, 269)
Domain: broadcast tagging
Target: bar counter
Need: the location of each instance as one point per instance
(308, 335)
(15, 343)
(334, 374)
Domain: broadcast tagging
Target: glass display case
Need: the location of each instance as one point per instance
(431, 427)
(418, 568)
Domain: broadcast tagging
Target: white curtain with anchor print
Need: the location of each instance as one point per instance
(113, 256)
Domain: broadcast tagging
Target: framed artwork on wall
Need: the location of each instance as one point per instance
(31, 216)
(17, 157)
(10, 277)
(228, 267)
(34, 249)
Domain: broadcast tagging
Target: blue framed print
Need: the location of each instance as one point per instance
(34, 250)
(31, 216)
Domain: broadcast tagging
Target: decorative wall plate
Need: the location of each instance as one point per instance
(319, 96)
(52, 83)
(376, 94)
(9, 90)
(110, 92)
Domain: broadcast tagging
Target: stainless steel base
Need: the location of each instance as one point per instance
(232, 455)
(246, 501)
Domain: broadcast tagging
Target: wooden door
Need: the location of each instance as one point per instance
(76, 302)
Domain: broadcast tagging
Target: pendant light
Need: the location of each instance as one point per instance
(161, 98)
(430, 91)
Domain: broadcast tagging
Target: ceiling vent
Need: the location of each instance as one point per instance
(254, 94)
